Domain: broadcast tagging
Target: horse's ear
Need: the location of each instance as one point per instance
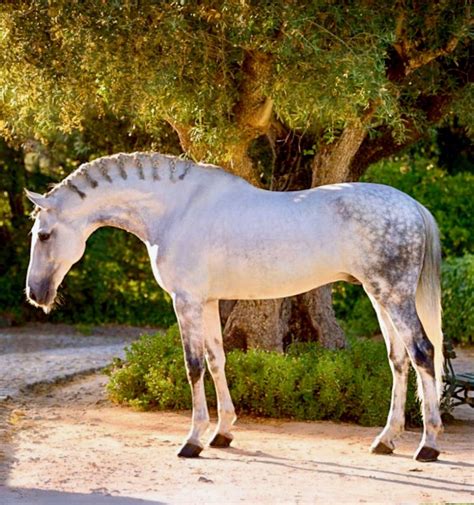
(39, 200)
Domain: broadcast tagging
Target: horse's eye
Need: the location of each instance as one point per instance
(44, 236)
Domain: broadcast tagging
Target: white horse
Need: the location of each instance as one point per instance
(212, 236)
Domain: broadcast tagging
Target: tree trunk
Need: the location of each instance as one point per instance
(332, 164)
(256, 324)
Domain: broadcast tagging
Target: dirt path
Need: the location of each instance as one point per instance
(68, 444)
(45, 353)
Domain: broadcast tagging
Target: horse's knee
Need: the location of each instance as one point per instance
(215, 366)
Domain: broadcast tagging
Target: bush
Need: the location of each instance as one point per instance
(458, 299)
(308, 383)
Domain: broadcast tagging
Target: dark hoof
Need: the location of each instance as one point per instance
(381, 448)
(426, 454)
(220, 441)
(190, 450)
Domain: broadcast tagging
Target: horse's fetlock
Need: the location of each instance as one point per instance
(435, 423)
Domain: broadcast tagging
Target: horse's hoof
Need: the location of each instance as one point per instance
(426, 454)
(381, 448)
(190, 450)
(220, 441)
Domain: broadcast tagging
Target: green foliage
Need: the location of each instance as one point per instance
(308, 383)
(182, 63)
(153, 375)
(458, 299)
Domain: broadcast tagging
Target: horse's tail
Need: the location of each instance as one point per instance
(428, 294)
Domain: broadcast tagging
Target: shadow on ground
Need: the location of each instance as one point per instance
(14, 496)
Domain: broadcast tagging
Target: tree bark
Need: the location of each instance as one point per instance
(256, 324)
(332, 164)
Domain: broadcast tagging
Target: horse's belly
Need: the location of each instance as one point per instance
(273, 279)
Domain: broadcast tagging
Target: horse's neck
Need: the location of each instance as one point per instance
(114, 206)
(138, 205)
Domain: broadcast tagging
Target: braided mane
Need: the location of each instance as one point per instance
(145, 165)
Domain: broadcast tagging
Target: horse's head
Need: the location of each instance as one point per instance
(56, 244)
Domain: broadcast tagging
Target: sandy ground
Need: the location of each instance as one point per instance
(67, 444)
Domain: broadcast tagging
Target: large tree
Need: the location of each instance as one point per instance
(288, 94)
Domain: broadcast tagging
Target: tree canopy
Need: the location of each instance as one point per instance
(223, 73)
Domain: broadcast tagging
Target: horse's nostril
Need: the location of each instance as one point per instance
(32, 295)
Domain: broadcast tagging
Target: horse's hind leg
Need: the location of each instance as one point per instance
(421, 351)
(399, 363)
(216, 363)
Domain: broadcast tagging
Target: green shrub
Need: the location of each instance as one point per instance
(307, 383)
(458, 299)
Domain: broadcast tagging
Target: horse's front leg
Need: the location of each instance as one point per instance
(191, 324)
(216, 363)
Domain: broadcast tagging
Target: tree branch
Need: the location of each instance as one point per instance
(420, 59)
(184, 135)
(384, 143)
(409, 58)
(332, 162)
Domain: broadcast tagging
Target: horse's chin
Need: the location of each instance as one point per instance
(47, 308)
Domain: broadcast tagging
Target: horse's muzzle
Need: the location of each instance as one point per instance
(41, 294)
